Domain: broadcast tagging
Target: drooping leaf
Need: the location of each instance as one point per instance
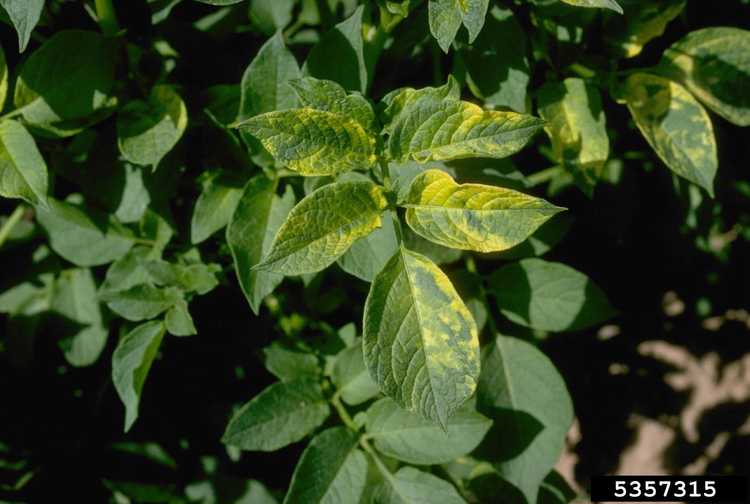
(675, 125)
(497, 70)
(141, 302)
(148, 130)
(255, 222)
(644, 21)
(282, 414)
(314, 142)
(420, 341)
(408, 437)
(23, 172)
(178, 321)
(83, 236)
(351, 377)
(426, 127)
(214, 208)
(712, 64)
(577, 127)
(472, 216)
(131, 363)
(24, 14)
(74, 297)
(340, 56)
(64, 106)
(446, 17)
(549, 296)
(529, 401)
(290, 365)
(331, 470)
(323, 226)
(600, 4)
(368, 255)
(412, 486)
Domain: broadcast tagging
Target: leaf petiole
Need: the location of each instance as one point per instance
(9, 224)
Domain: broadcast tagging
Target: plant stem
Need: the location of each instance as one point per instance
(9, 224)
(341, 410)
(543, 176)
(379, 463)
(107, 18)
(12, 113)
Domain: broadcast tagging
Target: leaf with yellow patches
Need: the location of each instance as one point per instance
(323, 226)
(420, 341)
(676, 125)
(472, 216)
(645, 21)
(714, 65)
(599, 4)
(446, 17)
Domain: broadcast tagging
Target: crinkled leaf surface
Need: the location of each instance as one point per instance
(420, 341)
(257, 219)
(148, 130)
(529, 401)
(24, 14)
(331, 470)
(412, 486)
(23, 172)
(329, 96)
(131, 363)
(676, 126)
(351, 377)
(577, 127)
(282, 414)
(407, 436)
(714, 65)
(472, 216)
(446, 17)
(549, 296)
(323, 226)
(601, 4)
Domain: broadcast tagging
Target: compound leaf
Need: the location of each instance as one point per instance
(23, 172)
(280, 415)
(323, 226)
(472, 216)
(420, 341)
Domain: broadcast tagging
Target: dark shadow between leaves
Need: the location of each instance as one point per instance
(335, 59)
(511, 434)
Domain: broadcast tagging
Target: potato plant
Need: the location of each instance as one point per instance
(379, 180)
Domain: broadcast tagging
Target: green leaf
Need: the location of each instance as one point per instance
(555, 490)
(131, 363)
(340, 55)
(368, 255)
(472, 216)
(549, 296)
(329, 96)
(265, 83)
(676, 126)
(141, 302)
(446, 17)
(127, 271)
(323, 226)
(351, 377)
(331, 470)
(147, 131)
(430, 128)
(393, 104)
(24, 14)
(420, 341)
(577, 127)
(254, 224)
(198, 277)
(408, 437)
(412, 486)
(23, 172)
(497, 70)
(712, 64)
(289, 365)
(83, 236)
(645, 21)
(214, 208)
(64, 106)
(600, 4)
(268, 16)
(282, 414)
(528, 398)
(220, 2)
(178, 320)
(314, 142)
(3, 79)
(74, 297)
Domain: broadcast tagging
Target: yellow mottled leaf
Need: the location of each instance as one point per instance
(472, 216)
(645, 21)
(420, 341)
(676, 125)
(323, 226)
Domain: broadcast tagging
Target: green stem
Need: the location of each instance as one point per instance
(12, 114)
(9, 224)
(543, 176)
(379, 463)
(341, 410)
(105, 11)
